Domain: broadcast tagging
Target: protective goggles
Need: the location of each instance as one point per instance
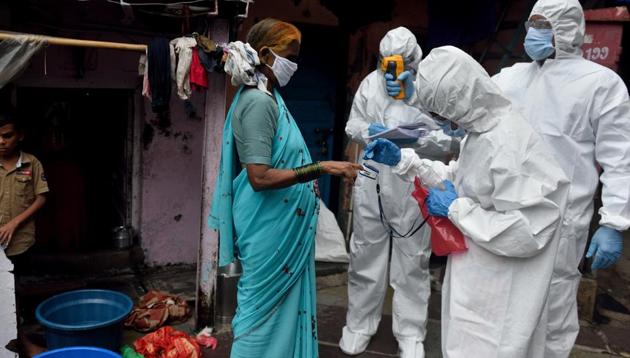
(538, 24)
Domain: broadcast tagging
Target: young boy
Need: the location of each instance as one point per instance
(22, 188)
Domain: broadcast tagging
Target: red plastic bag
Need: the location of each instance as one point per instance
(445, 237)
(167, 343)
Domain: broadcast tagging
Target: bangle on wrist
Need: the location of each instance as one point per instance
(308, 172)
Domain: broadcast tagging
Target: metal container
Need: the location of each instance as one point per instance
(227, 282)
(122, 237)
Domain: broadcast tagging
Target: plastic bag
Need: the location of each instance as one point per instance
(330, 246)
(445, 237)
(128, 352)
(167, 343)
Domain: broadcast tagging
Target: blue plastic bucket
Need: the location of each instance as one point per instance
(91, 318)
(79, 352)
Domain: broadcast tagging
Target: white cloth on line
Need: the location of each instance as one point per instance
(181, 58)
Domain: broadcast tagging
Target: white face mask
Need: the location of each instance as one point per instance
(283, 69)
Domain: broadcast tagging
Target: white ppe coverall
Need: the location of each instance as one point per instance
(370, 244)
(511, 197)
(581, 110)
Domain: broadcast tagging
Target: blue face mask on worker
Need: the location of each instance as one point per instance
(447, 129)
(539, 43)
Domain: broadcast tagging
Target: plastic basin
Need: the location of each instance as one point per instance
(79, 352)
(92, 318)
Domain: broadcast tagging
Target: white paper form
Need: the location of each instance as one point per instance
(406, 131)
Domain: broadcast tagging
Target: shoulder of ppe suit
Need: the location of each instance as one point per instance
(607, 77)
(507, 73)
(370, 83)
(370, 90)
(358, 119)
(579, 66)
(522, 152)
(601, 85)
(367, 89)
(511, 131)
(509, 138)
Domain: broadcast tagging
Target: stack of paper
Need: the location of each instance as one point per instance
(406, 131)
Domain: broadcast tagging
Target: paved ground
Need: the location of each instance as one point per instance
(595, 341)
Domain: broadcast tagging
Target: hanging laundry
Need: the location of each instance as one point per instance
(205, 43)
(167, 342)
(146, 85)
(198, 74)
(143, 70)
(142, 64)
(154, 309)
(206, 59)
(181, 50)
(159, 74)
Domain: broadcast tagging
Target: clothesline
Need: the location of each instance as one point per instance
(78, 43)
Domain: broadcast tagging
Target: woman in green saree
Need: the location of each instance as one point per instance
(265, 203)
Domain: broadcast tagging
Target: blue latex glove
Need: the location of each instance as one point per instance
(383, 151)
(393, 85)
(439, 200)
(376, 128)
(606, 246)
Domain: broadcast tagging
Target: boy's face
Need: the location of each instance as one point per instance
(9, 139)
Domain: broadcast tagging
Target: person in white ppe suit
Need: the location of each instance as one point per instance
(581, 110)
(393, 219)
(508, 199)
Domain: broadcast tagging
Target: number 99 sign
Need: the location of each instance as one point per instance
(597, 53)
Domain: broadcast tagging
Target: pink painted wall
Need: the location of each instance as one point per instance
(171, 189)
(169, 211)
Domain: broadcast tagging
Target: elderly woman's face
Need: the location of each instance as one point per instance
(291, 53)
(268, 58)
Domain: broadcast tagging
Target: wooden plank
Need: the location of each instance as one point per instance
(62, 41)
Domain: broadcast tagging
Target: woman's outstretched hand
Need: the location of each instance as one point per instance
(342, 169)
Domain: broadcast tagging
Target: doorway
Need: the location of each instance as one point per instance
(82, 137)
(316, 98)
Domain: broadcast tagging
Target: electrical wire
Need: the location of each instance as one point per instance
(157, 3)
